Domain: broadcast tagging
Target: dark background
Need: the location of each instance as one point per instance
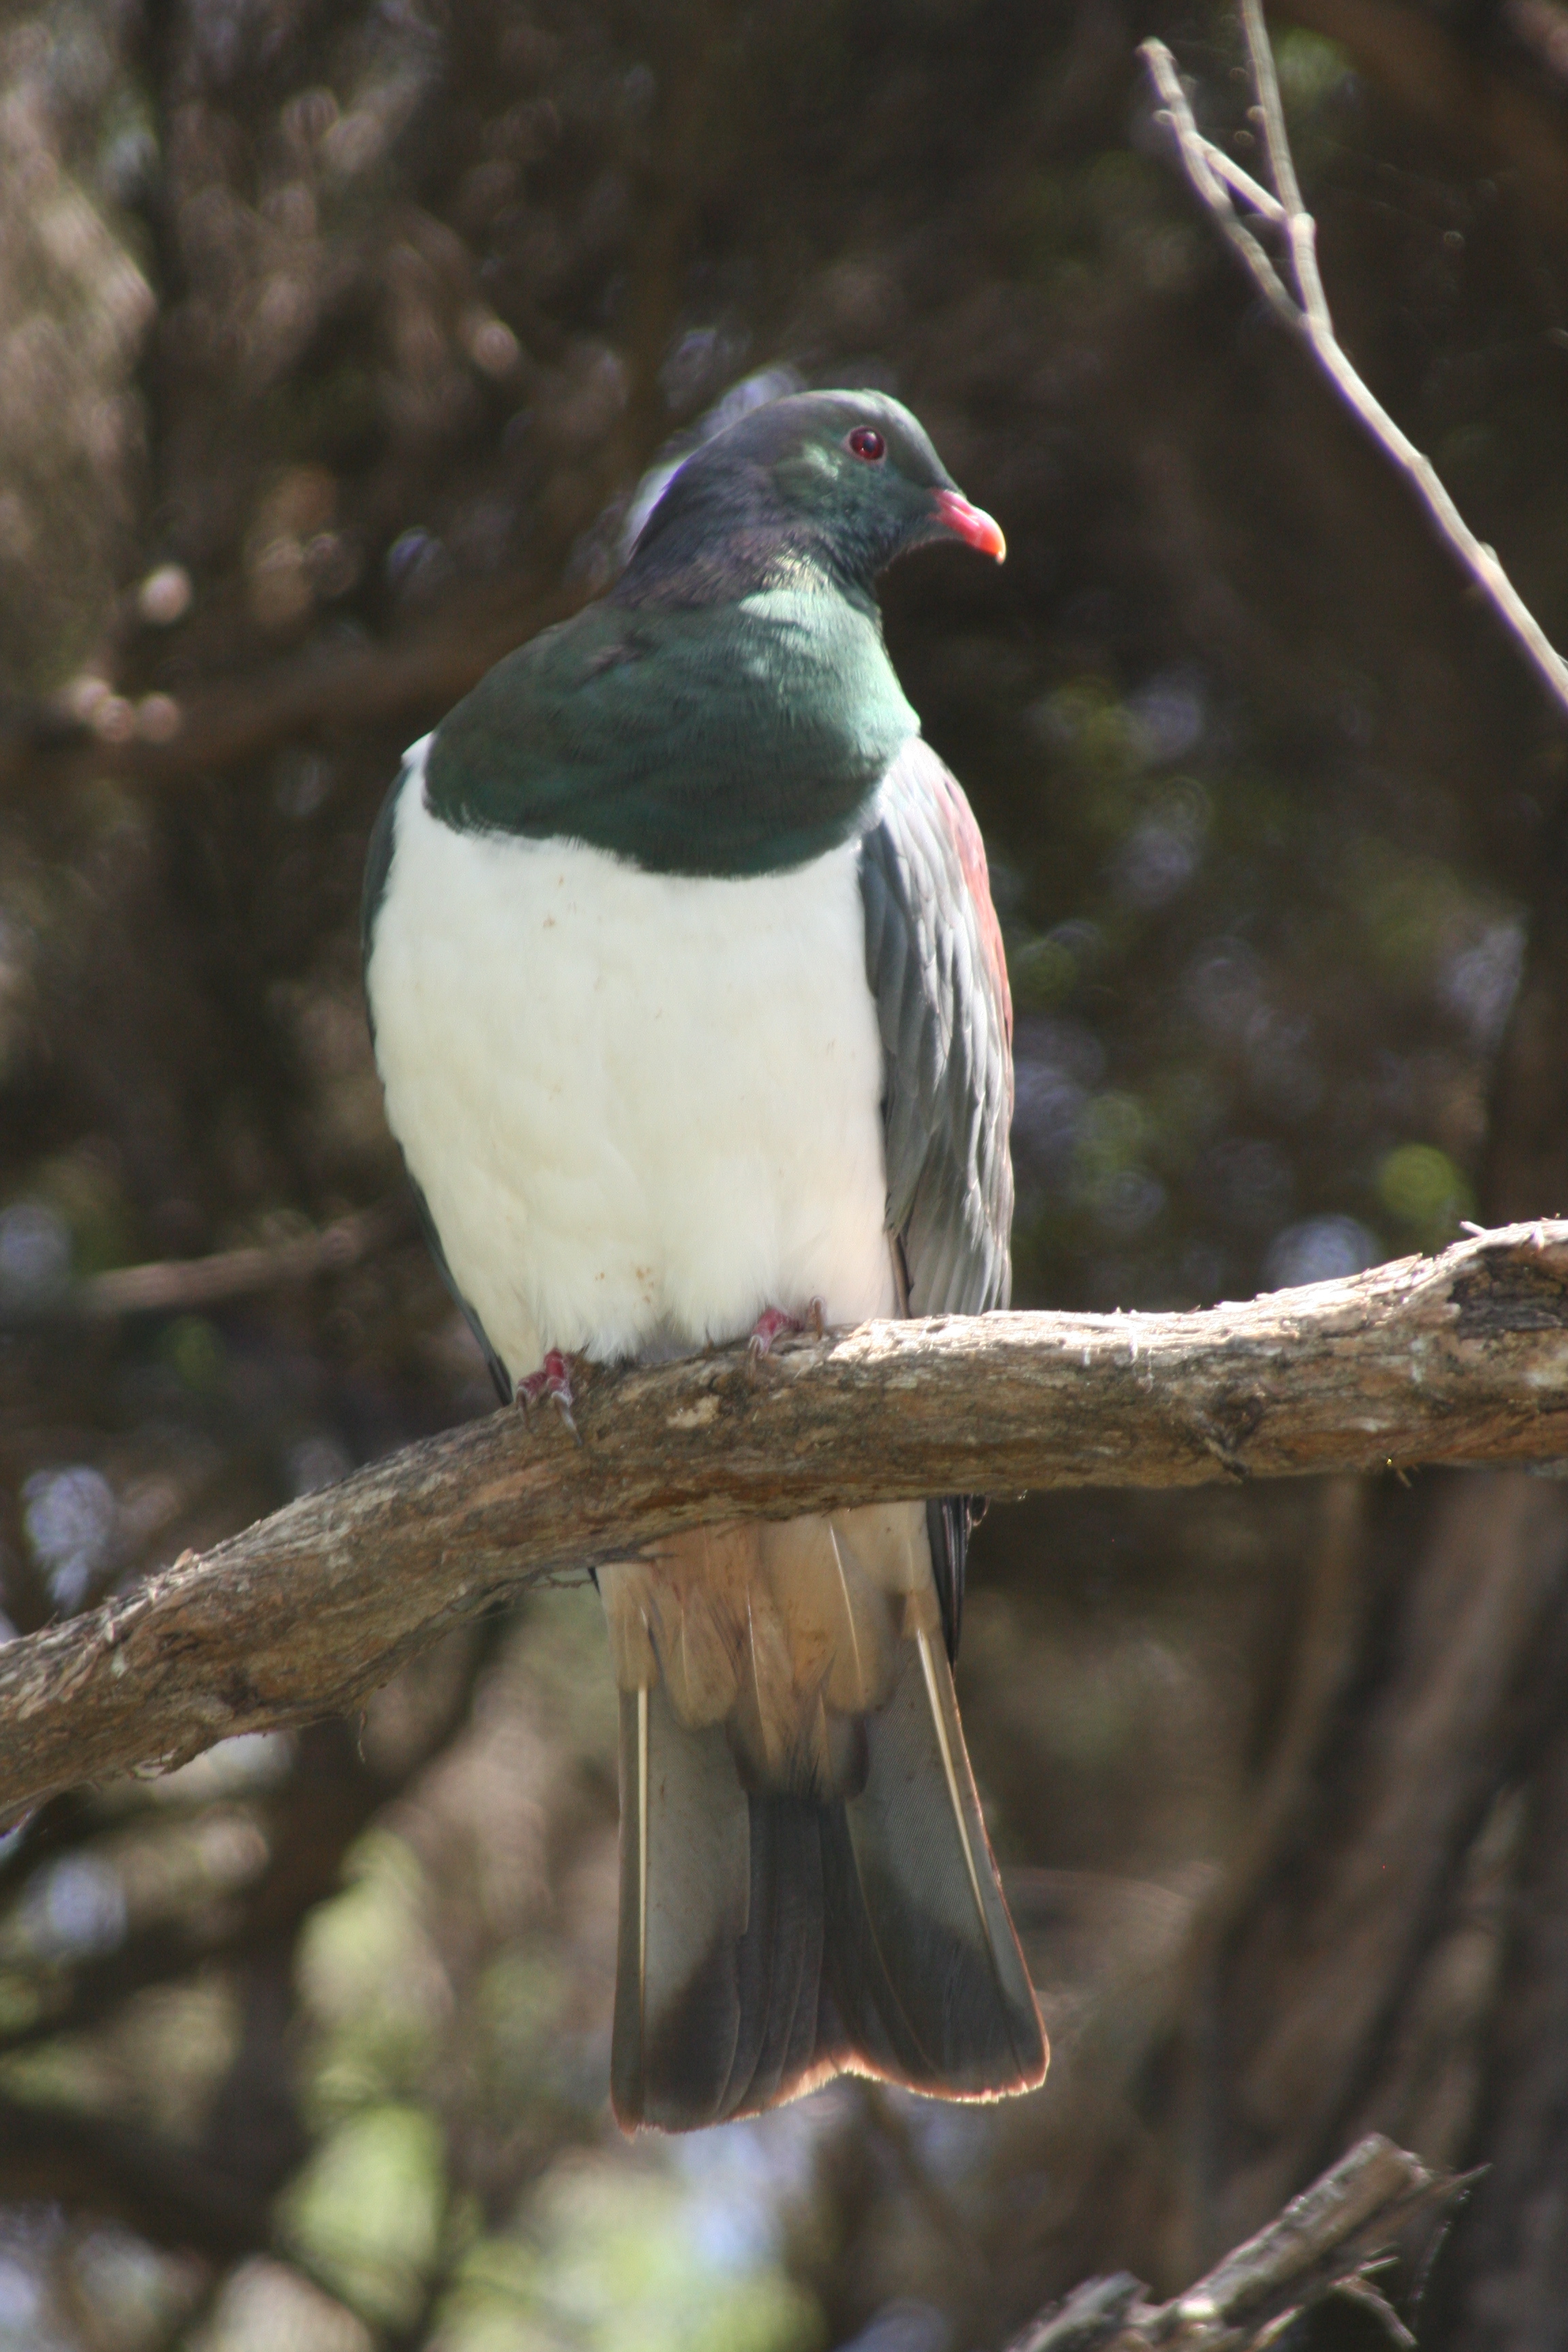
(335, 338)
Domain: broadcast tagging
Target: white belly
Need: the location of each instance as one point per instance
(642, 1107)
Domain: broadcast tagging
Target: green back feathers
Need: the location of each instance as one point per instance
(730, 708)
(723, 739)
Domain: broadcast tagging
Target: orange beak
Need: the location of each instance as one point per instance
(970, 524)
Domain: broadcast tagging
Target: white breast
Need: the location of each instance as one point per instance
(642, 1107)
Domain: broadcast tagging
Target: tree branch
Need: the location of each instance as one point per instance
(1303, 306)
(167, 2190)
(322, 687)
(183, 1286)
(1322, 2245)
(1462, 1359)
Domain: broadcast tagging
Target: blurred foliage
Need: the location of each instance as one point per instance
(341, 342)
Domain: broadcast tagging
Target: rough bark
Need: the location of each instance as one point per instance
(1321, 2246)
(1463, 1359)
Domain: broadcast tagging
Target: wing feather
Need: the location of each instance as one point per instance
(936, 969)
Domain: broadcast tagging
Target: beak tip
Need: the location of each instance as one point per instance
(972, 524)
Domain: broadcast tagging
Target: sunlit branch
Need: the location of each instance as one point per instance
(1460, 1359)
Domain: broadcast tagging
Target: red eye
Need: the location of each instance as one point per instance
(866, 442)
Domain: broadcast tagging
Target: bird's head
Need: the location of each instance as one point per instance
(847, 479)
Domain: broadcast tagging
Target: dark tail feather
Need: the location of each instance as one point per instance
(924, 1968)
(685, 1896)
(769, 1940)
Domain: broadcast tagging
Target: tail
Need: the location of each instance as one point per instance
(807, 1887)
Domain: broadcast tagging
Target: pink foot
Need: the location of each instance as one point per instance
(773, 1323)
(552, 1379)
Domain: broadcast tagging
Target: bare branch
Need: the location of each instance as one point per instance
(182, 1286)
(1322, 2245)
(1210, 173)
(1242, 183)
(1300, 229)
(322, 689)
(1462, 1359)
(172, 2194)
(1307, 314)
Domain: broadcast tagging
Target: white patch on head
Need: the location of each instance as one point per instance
(641, 1107)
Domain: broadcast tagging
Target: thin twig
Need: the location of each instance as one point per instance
(1307, 314)
(184, 1286)
(1370, 2300)
(1242, 183)
(181, 1286)
(1205, 167)
(1300, 229)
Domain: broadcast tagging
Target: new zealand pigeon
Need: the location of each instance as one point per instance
(690, 1004)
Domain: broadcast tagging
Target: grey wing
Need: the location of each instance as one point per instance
(936, 969)
(934, 961)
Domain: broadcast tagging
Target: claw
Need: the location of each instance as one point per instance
(773, 1323)
(553, 1380)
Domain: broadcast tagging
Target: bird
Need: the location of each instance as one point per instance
(690, 1009)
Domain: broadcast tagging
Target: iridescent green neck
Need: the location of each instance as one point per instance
(734, 738)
